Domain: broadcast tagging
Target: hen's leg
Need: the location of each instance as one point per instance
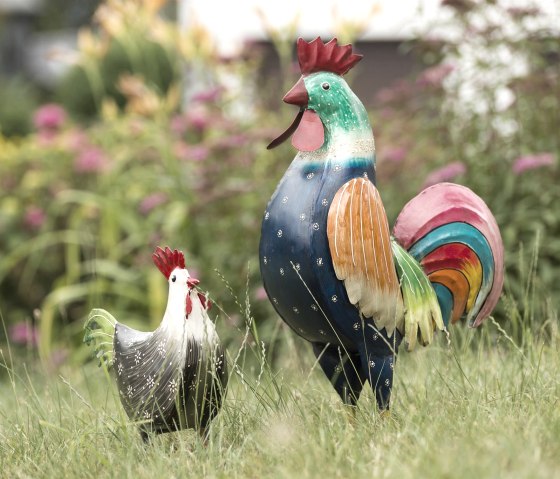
(343, 370)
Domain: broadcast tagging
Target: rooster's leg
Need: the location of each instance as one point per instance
(343, 370)
(380, 375)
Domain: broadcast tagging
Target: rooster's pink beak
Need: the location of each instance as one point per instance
(192, 282)
(297, 95)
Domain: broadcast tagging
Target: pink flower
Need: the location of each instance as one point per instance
(532, 162)
(231, 141)
(395, 155)
(49, 117)
(152, 201)
(76, 140)
(181, 150)
(178, 124)
(90, 160)
(24, 334)
(199, 153)
(46, 137)
(34, 217)
(435, 75)
(446, 173)
(208, 96)
(187, 152)
(59, 357)
(400, 90)
(260, 294)
(197, 118)
(193, 272)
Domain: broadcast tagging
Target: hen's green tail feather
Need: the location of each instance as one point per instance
(422, 312)
(100, 330)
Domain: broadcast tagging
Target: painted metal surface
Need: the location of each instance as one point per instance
(176, 376)
(327, 261)
(447, 213)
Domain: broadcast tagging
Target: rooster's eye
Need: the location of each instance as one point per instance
(173, 278)
(325, 86)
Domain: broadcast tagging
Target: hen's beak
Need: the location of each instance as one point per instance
(192, 282)
(297, 95)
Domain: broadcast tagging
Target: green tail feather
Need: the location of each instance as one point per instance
(100, 330)
(422, 312)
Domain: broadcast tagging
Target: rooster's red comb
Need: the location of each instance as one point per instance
(167, 260)
(316, 56)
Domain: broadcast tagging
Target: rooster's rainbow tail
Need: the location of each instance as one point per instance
(451, 232)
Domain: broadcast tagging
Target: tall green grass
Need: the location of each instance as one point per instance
(478, 404)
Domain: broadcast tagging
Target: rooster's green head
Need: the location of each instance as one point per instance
(326, 101)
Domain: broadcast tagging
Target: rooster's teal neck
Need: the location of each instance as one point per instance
(348, 134)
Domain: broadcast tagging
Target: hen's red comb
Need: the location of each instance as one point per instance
(316, 56)
(167, 260)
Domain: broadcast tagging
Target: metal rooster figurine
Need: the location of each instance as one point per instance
(330, 266)
(172, 378)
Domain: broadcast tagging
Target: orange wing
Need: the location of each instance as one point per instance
(360, 248)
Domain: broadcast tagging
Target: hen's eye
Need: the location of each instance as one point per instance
(173, 278)
(325, 86)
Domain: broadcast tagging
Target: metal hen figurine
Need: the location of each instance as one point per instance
(329, 264)
(172, 378)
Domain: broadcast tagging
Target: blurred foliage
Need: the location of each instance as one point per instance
(61, 14)
(18, 100)
(129, 38)
(488, 99)
(83, 206)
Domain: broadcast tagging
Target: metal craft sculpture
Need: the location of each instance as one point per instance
(329, 264)
(174, 377)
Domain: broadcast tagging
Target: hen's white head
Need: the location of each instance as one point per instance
(172, 265)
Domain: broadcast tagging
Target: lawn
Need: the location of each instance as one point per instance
(476, 407)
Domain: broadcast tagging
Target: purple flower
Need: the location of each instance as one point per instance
(208, 96)
(446, 173)
(532, 162)
(49, 117)
(90, 160)
(152, 201)
(395, 155)
(24, 334)
(34, 217)
(435, 75)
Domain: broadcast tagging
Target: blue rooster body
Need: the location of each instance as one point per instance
(295, 260)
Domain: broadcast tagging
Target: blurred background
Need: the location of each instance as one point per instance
(126, 124)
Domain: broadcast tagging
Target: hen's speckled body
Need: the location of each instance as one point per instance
(174, 377)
